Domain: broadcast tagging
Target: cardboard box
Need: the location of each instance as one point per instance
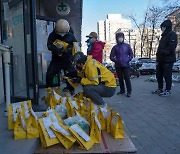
(108, 145)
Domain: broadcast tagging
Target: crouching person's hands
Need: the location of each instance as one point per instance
(76, 80)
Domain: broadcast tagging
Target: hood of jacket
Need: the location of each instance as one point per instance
(168, 25)
(119, 34)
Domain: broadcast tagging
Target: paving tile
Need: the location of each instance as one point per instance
(154, 149)
(164, 144)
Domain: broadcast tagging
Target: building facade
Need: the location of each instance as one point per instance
(25, 25)
(109, 27)
(144, 44)
(175, 18)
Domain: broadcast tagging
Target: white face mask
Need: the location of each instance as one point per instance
(62, 34)
(163, 29)
(120, 39)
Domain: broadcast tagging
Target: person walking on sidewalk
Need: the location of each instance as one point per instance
(95, 47)
(97, 80)
(121, 55)
(165, 58)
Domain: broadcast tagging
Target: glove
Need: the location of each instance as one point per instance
(71, 73)
(69, 49)
(59, 51)
(76, 80)
(59, 46)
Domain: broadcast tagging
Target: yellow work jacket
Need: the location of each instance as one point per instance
(94, 73)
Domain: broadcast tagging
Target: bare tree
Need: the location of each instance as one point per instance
(141, 28)
(134, 47)
(154, 18)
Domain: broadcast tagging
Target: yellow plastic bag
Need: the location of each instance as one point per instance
(54, 116)
(32, 126)
(26, 106)
(85, 109)
(108, 119)
(52, 102)
(57, 98)
(12, 112)
(102, 120)
(19, 127)
(63, 44)
(74, 85)
(76, 48)
(64, 136)
(45, 139)
(82, 138)
(70, 109)
(54, 99)
(95, 132)
(117, 129)
(10, 118)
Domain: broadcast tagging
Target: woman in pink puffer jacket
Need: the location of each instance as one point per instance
(95, 47)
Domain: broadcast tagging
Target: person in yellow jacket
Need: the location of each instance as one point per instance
(96, 79)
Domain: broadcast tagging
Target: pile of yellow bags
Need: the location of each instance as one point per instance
(51, 127)
(23, 120)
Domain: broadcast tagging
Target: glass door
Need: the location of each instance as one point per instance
(13, 35)
(20, 33)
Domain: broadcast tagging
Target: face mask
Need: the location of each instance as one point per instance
(163, 29)
(79, 68)
(61, 34)
(91, 40)
(120, 40)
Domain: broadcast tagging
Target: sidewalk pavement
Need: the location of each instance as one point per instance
(152, 122)
(7, 143)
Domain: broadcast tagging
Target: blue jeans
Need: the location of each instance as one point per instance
(95, 93)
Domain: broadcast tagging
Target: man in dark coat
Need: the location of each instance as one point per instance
(165, 58)
(121, 55)
(60, 42)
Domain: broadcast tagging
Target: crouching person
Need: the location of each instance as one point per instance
(97, 80)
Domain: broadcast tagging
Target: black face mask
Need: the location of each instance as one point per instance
(79, 68)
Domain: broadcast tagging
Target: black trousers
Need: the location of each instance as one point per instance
(123, 74)
(164, 70)
(55, 68)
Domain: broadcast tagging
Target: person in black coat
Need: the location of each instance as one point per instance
(60, 43)
(165, 58)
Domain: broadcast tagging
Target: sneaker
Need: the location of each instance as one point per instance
(165, 93)
(104, 105)
(121, 92)
(128, 94)
(158, 91)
